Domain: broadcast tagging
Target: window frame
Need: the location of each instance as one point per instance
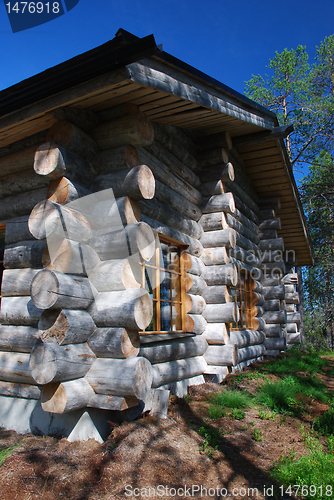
(161, 238)
(244, 290)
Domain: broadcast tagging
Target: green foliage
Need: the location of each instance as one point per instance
(297, 360)
(211, 439)
(257, 435)
(280, 396)
(231, 399)
(237, 414)
(325, 423)
(216, 412)
(267, 415)
(6, 453)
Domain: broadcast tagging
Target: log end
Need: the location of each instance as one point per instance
(43, 289)
(143, 310)
(48, 161)
(53, 398)
(145, 241)
(146, 182)
(143, 378)
(42, 363)
(145, 130)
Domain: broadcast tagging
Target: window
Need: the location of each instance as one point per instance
(243, 296)
(2, 249)
(163, 278)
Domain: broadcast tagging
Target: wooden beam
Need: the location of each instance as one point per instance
(262, 137)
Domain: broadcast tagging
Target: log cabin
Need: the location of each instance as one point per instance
(150, 225)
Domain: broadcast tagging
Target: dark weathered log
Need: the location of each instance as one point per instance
(246, 244)
(267, 213)
(268, 234)
(270, 280)
(21, 182)
(251, 352)
(290, 307)
(292, 298)
(244, 221)
(212, 187)
(245, 256)
(171, 350)
(293, 338)
(213, 222)
(212, 157)
(17, 390)
(273, 330)
(270, 224)
(102, 210)
(222, 355)
(21, 204)
(222, 238)
(65, 326)
(114, 343)
(258, 324)
(192, 264)
(134, 129)
(166, 175)
(19, 311)
(17, 230)
(258, 298)
(245, 338)
(217, 333)
(195, 284)
(289, 288)
(75, 140)
(276, 244)
(116, 159)
(263, 136)
(119, 274)
(257, 287)
(275, 343)
(219, 203)
(294, 318)
(274, 292)
(17, 162)
(26, 254)
(243, 207)
(70, 257)
(118, 111)
(172, 371)
(291, 328)
(218, 140)
(195, 323)
(129, 309)
(176, 201)
(53, 161)
(275, 317)
(274, 203)
(273, 256)
(111, 243)
(137, 183)
(64, 191)
(223, 172)
(194, 246)
(215, 256)
(231, 221)
(54, 363)
(85, 119)
(121, 377)
(272, 305)
(222, 313)
(51, 218)
(50, 289)
(217, 294)
(256, 274)
(17, 338)
(221, 275)
(14, 367)
(16, 282)
(163, 213)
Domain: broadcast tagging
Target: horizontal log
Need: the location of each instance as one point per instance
(274, 292)
(17, 230)
(263, 136)
(16, 282)
(194, 247)
(215, 256)
(103, 211)
(272, 352)
(273, 331)
(290, 307)
(291, 328)
(85, 119)
(212, 187)
(257, 299)
(50, 289)
(246, 244)
(292, 298)
(134, 129)
(274, 202)
(223, 237)
(21, 204)
(171, 350)
(213, 221)
(18, 161)
(245, 256)
(257, 287)
(163, 213)
(275, 317)
(19, 311)
(275, 343)
(268, 234)
(221, 275)
(176, 201)
(267, 213)
(271, 280)
(195, 323)
(243, 207)
(116, 159)
(194, 304)
(131, 309)
(289, 288)
(293, 338)
(173, 371)
(195, 284)
(294, 318)
(219, 203)
(212, 157)
(244, 221)
(70, 257)
(111, 243)
(137, 182)
(54, 363)
(65, 191)
(165, 173)
(251, 352)
(270, 224)
(290, 279)
(245, 338)
(114, 343)
(21, 182)
(73, 139)
(65, 326)
(217, 140)
(256, 274)
(220, 371)
(118, 111)
(272, 305)
(217, 294)
(121, 377)
(222, 355)
(272, 244)
(17, 390)
(217, 171)
(17, 338)
(258, 324)
(25, 254)
(222, 313)
(53, 161)
(192, 264)
(217, 333)
(14, 367)
(120, 274)
(232, 222)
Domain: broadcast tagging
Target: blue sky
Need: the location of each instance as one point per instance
(229, 40)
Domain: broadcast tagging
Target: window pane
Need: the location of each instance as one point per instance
(165, 313)
(176, 317)
(165, 285)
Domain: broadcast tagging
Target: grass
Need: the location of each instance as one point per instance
(231, 399)
(325, 423)
(280, 396)
(257, 435)
(6, 453)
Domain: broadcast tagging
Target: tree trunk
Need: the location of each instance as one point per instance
(223, 238)
(195, 323)
(65, 326)
(219, 203)
(221, 275)
(17, 390)
(70, 257)
(245, 338)
(222, 313)
(64, 191)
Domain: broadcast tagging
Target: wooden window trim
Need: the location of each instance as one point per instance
(247, 311)
(156, 293)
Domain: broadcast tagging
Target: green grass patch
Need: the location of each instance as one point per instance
(280, 396)
(6, 453)
(325, 423)
(257, 435)
(232, 399)
(297, 360)
(237, 414)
